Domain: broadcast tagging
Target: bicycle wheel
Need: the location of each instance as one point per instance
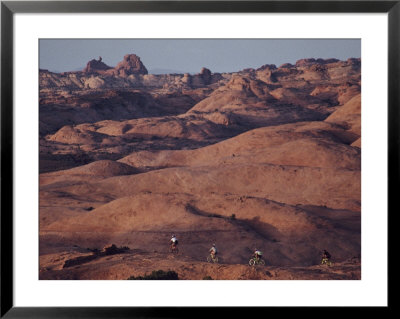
(215, 260)
(208, 258)
(252, 262)
(261, 262)
(173, 250)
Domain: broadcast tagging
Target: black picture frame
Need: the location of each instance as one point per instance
(9, 8)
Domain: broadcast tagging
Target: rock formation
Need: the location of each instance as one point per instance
(96, 66)
(131, 64)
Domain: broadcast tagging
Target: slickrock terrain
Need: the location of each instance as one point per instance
(266, 158)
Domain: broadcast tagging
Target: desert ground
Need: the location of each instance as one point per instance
(266, 158)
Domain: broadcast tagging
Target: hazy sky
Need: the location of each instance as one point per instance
(190, 55)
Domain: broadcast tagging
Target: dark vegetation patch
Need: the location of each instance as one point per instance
(96, 253)
(157, 275)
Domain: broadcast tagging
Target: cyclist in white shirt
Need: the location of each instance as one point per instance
(213, 250)
(174, 241)
(257, 254)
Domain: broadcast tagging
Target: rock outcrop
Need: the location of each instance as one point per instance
(131, 64)
(96, 66)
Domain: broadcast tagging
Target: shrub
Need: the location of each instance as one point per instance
(113, 249)
(207, 278)
(157, 275)
(233, 217)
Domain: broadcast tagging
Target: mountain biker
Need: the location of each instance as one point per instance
(213, 251)
(257, 254)
(325, 256)
(173, 241)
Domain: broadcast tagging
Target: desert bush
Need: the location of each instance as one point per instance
(157, 275)
(113, 249)
(207, 278)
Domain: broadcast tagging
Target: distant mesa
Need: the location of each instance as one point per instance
(131, 64)
(267, 67)
(286, 66)
(307, 62)
(164, 71)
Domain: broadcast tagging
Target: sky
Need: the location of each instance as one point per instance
(190, 55)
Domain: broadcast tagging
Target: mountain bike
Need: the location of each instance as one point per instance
(326, 261)
(256, 261)
(212, 258)
(173, 249)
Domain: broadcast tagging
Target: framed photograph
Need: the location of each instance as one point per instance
(161, 156)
